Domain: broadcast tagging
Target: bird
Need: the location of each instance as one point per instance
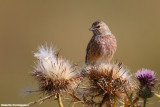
(102, 45)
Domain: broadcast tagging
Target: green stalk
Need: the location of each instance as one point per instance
(144, 103)
(59, 100)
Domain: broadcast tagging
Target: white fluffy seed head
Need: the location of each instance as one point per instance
(44, 52)
(52, 66)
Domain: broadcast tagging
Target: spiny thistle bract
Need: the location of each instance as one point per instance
(54, 74)
(108, 81)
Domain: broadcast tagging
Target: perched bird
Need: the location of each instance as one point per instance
(102, 45)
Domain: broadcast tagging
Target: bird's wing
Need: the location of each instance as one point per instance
(88, 50)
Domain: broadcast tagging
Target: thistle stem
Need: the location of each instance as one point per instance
(144, 103)
(59, 100)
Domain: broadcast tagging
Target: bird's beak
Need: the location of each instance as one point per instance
(91, 29)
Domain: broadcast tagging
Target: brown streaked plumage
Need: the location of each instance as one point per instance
(102, 45)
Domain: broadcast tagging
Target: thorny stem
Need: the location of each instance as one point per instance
(59, 100)
(135, 100)
(105, 98)
(144, 103)
(84, 101)
(130, 100)
(40, 100)
(75, 97)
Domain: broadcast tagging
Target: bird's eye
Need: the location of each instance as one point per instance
(97, 26)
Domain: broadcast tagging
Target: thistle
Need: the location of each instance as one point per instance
(54, 74)
(107, 81)
(147, 79)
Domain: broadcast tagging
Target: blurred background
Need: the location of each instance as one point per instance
(26, 24)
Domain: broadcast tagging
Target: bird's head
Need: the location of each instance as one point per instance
(100, 28)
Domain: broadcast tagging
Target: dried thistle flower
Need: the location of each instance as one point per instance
(109, 80)
(55, 75)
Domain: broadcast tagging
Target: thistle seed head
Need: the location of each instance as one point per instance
(55, 75)
(109, 79)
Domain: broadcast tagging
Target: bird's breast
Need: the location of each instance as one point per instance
(101, 48)
(109, 44)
